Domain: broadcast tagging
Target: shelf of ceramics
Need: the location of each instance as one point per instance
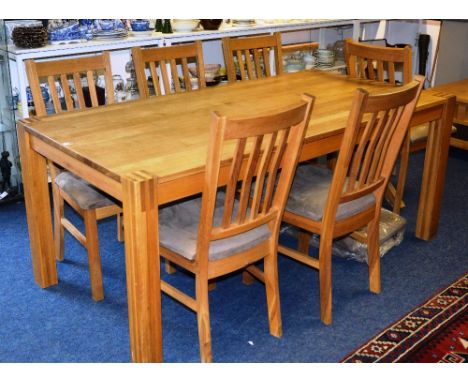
(234, 31)
(92, 46)
(17, 55)
(66, 49)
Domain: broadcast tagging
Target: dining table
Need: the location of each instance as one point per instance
(146, 153)
(459, 89)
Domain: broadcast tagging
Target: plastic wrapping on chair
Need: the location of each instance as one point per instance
(392, 229)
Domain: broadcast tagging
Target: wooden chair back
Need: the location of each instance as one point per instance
(252, 56)
(166, 65)
(70, 74)
(267, 142)
(375, 131)
(377, 62)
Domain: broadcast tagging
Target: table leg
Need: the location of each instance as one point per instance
(38, 211)
(140, 211)
(435, 164)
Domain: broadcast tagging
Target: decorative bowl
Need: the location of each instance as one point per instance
(106, 25)
(140, 25)
(65, 31)
(211, 71)
(184, 25)
(211, 24)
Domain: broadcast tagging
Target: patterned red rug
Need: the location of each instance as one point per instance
(436, 331)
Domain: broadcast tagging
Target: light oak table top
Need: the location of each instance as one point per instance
(457, 88)
(168, 136)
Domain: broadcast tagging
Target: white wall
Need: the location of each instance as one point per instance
(452, 64)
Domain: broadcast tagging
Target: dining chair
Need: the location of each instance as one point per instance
(226, 229)
(336, 203)
(76, 77)
(251, 57)
(385, 64)
(168, 67)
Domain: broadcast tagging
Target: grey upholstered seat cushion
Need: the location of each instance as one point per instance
(85, 195)
(178, 231)
(309, 194)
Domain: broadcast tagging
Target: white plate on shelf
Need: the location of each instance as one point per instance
(110, 35)
(140, 33)
(243, 23)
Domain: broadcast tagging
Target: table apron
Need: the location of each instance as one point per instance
(427, 115)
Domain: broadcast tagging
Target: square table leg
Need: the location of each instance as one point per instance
(435, 164)
(38, 211)
(140, 211)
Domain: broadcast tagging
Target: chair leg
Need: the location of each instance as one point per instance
(303, 241)
(203, 318)
(402, 174)
(58, 227)
(120, 228)
(247, 278)
(270, 273)
(373, 254)
(325, 277)
(94, 260)
(168, 267)
(331, 160)
(211, 285)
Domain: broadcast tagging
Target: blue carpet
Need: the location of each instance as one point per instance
(63, 324)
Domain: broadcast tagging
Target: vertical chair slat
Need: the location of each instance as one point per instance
(79, 90)
(370, 69)
(175, 75)
(266, 61)
(240, 62)
(249, 173)
(351, 65)
(186, 74)
(54, 94)
(258, 68)
(355, 167)
(155, 77)
(231, 186)
(165, 77)
(248, 63)
(391, 72)
(362, 68)
(260, 176)
(273, 170)
(92, 88)
(66, 92)
(380, 70)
